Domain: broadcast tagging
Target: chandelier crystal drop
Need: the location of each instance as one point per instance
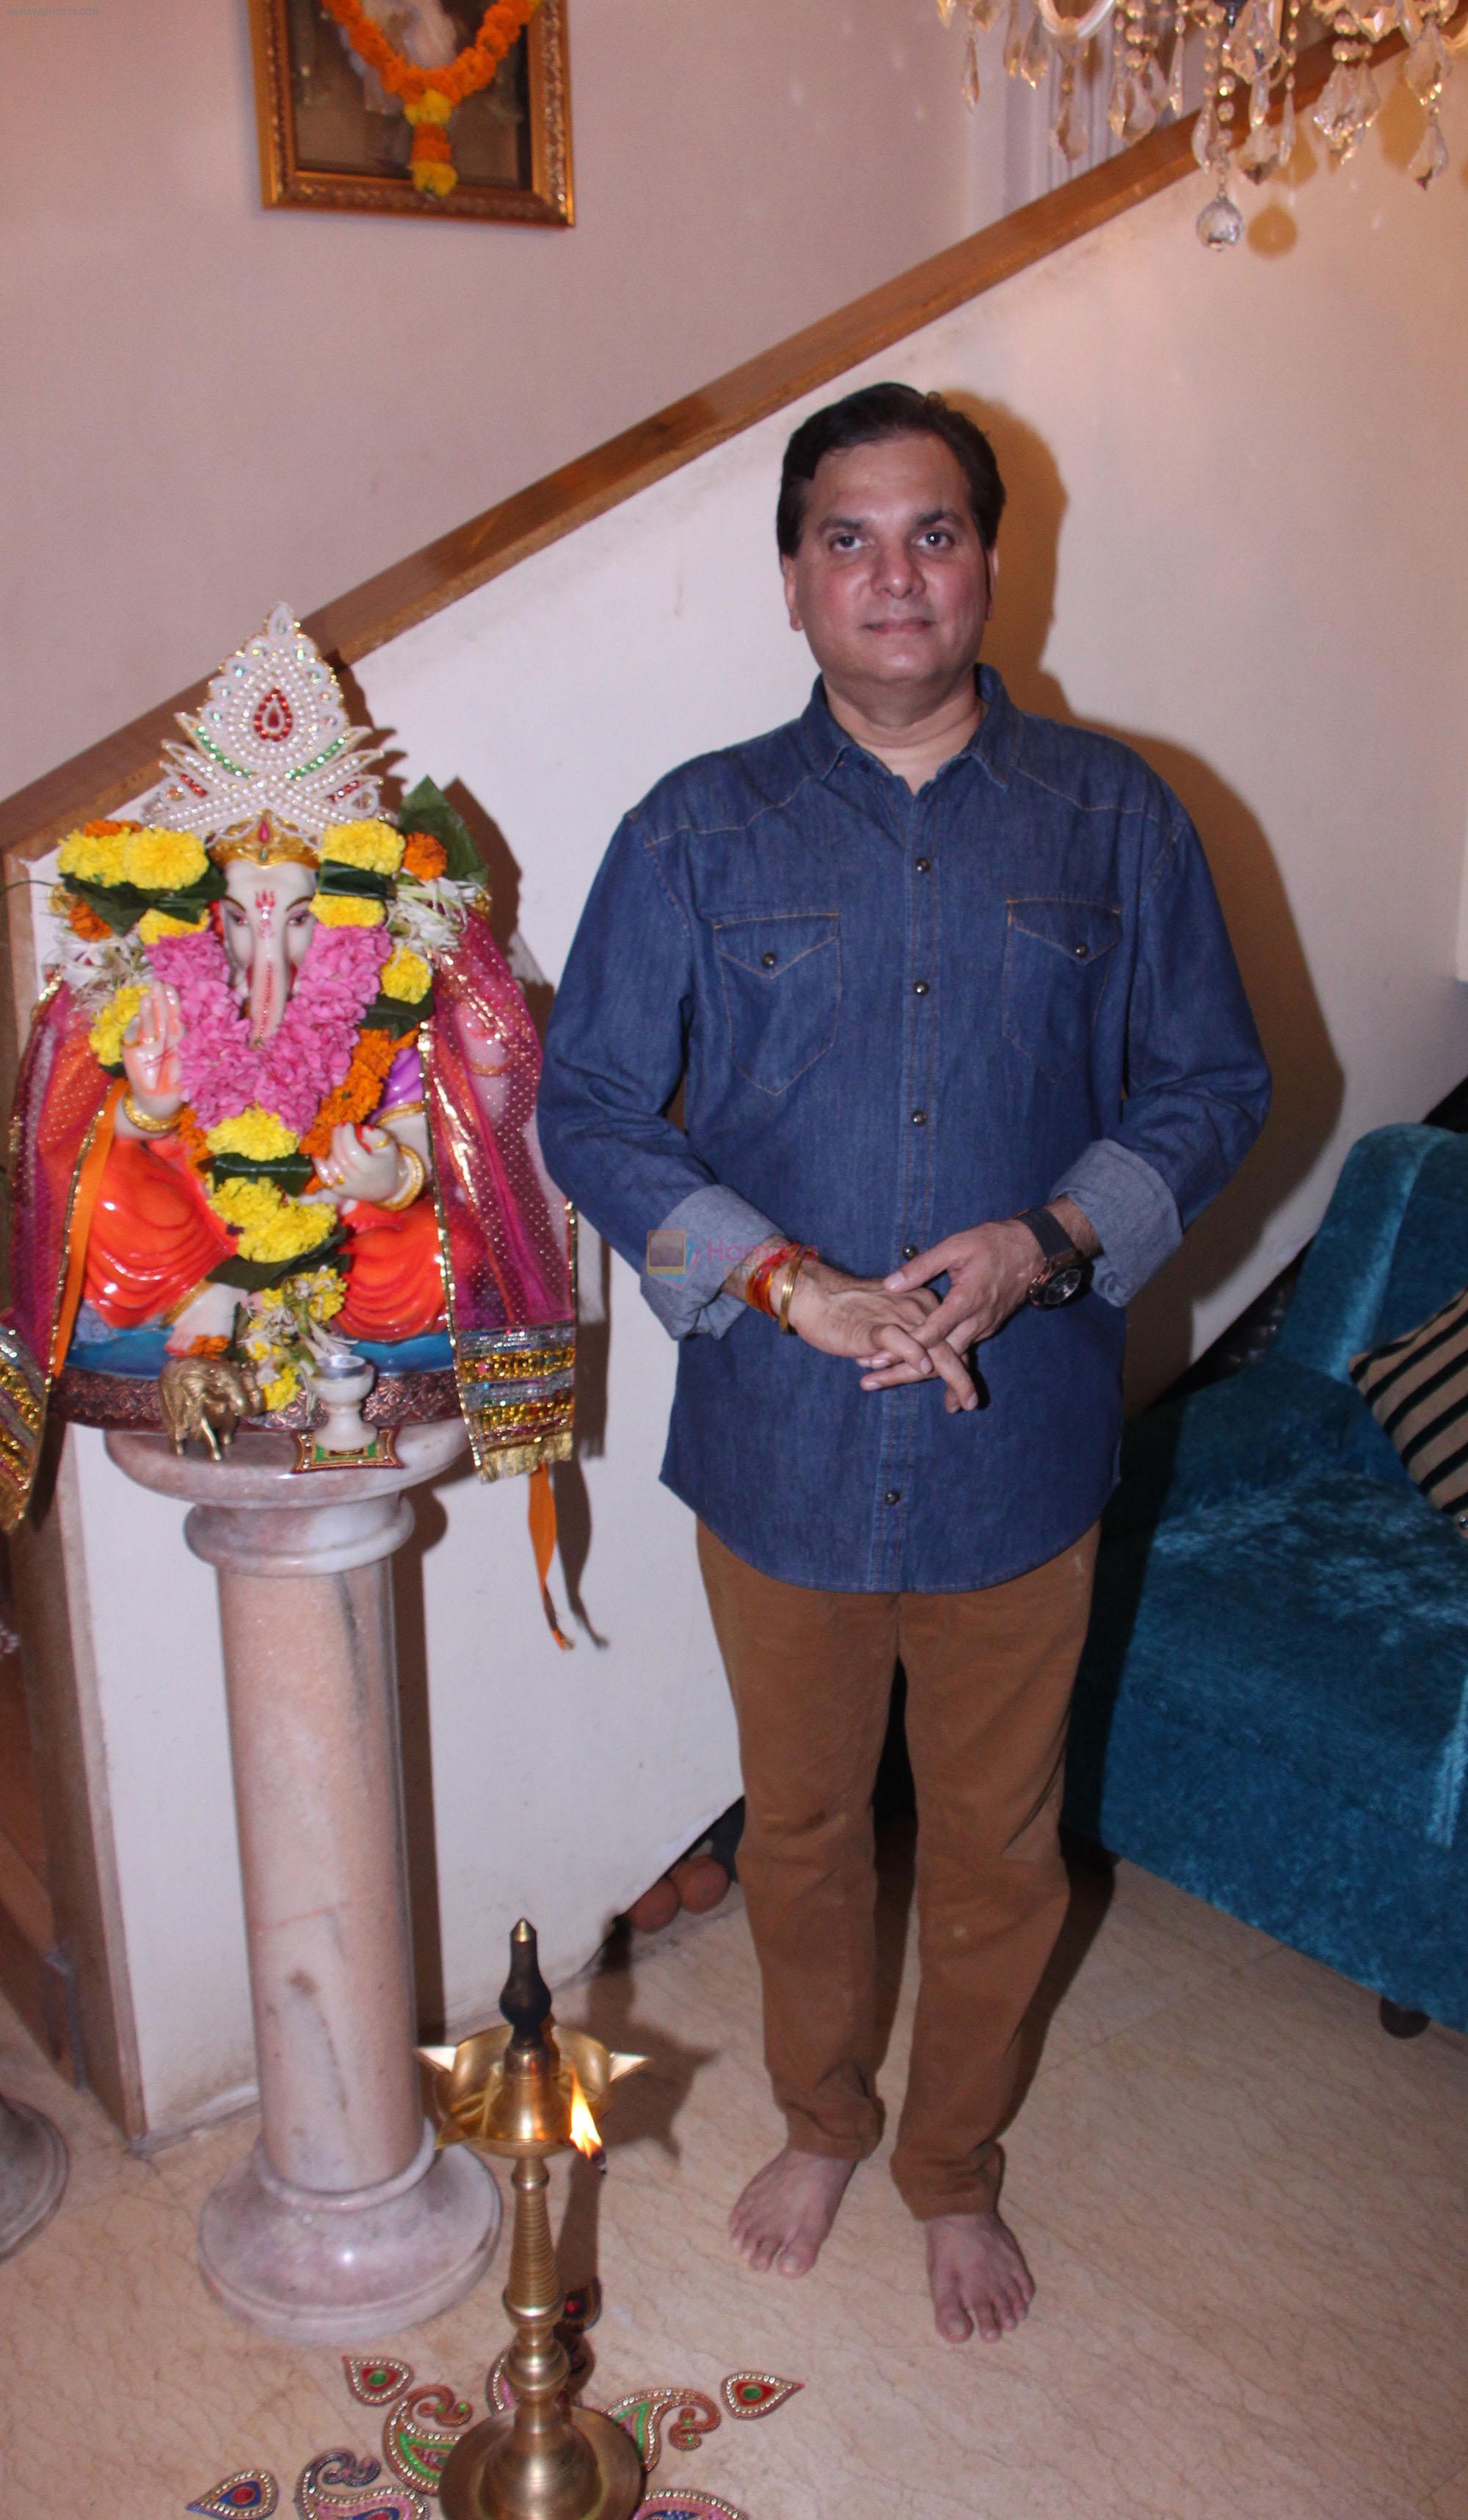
(1248, 51)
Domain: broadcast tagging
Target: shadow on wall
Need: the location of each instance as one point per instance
(1309, 1083)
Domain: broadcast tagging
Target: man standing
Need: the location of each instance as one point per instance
(963, 1050)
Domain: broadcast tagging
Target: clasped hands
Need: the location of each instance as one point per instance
(898, 1331)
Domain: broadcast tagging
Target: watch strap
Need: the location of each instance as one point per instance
(1049, 1233)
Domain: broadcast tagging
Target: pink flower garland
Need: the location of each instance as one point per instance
(308, 1055)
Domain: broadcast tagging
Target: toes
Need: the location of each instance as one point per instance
(796, 2258)
(987, 2323)
(953, 2323)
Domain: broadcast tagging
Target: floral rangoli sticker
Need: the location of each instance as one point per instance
(251, 2489)
(376, 2379)
(749, 2395)
(672, 2505)
(420, 2433)
(336, 2485)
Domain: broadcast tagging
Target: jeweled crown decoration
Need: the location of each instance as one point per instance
(1248, 47)
(273, 737)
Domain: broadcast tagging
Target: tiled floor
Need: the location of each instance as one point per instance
(1243, 2203)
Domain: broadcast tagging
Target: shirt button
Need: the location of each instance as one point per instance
(770, 960)
(893, 1496)
(909, 1251)
(919, 988)
(923, 865)
(918, 1118)
(1083, 952)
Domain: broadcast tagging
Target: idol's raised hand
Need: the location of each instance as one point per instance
(149, 1053)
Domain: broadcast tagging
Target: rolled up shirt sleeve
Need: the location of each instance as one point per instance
(1198, 1083)
(1132, 1211)
(692, 1253)
(616, 1048)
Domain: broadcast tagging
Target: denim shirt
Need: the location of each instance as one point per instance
(895, 1016)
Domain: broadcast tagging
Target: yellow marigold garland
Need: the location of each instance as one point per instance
(270, 1226)
(93, 856)
(155, 924)
(428, 97)
(406, 975)
(347, 910)
(372, 844)
(109, 1027)
(162, 861)
(253, 1132)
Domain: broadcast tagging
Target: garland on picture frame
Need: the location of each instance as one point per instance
(428, 97)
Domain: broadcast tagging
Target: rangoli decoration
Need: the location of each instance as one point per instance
(375, 2380)
(423, 2424)
(277, 1107)
(676, 2505)
(250, 2489)
(428, 95)
(748, 2395)
(683, 2415)
(421, 2431)
(336, 2485)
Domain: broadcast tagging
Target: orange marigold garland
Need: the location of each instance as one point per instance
(360, 1090)
(192, 1138)
(429, 97)
(423, 857)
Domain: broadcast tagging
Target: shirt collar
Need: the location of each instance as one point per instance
(994, 743)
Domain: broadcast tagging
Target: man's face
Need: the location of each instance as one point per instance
(891, 583)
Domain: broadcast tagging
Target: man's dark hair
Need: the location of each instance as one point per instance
(865, 419)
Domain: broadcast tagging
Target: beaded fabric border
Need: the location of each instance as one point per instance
(128, 1400)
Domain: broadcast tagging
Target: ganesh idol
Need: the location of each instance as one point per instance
(277, 1108)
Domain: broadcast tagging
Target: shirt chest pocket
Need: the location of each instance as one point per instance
(781, 981)
(1057, 956)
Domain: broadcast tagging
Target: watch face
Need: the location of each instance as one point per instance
(1060, 1287)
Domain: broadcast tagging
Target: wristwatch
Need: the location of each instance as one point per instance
(1063, 1273)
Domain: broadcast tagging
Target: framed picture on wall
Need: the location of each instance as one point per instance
(336, 134)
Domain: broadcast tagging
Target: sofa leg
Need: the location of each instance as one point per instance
(1399, 2021)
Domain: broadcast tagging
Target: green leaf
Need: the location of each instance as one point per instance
(122, 905)
(428, 809)
(253, 1276)
(398, 1015)
(292, 1172)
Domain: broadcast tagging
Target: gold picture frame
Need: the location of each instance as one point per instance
(326, 147)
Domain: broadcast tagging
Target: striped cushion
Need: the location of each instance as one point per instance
(1417, 1388)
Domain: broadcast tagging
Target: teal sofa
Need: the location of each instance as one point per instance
(1272, 1706)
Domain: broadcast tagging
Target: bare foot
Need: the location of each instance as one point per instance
(788, 2209)
(978, 2276)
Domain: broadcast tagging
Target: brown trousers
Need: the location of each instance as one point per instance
(988, 1687)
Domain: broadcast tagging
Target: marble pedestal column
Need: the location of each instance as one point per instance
(343, 2225)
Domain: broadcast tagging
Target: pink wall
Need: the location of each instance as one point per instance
(209, 405)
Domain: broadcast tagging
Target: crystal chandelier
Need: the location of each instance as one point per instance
(1248, 46)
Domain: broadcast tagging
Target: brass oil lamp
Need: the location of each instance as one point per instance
(525, 2092)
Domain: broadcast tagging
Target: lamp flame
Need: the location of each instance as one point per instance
(583, 2130)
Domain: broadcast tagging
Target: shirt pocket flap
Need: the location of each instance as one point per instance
(782, 976)
(769, 944)
(1082, 930)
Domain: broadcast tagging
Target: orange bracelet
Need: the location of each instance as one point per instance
(757, 1284)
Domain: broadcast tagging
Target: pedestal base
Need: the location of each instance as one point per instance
(350, 2269)
(32, 2173)
(465, 2491)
